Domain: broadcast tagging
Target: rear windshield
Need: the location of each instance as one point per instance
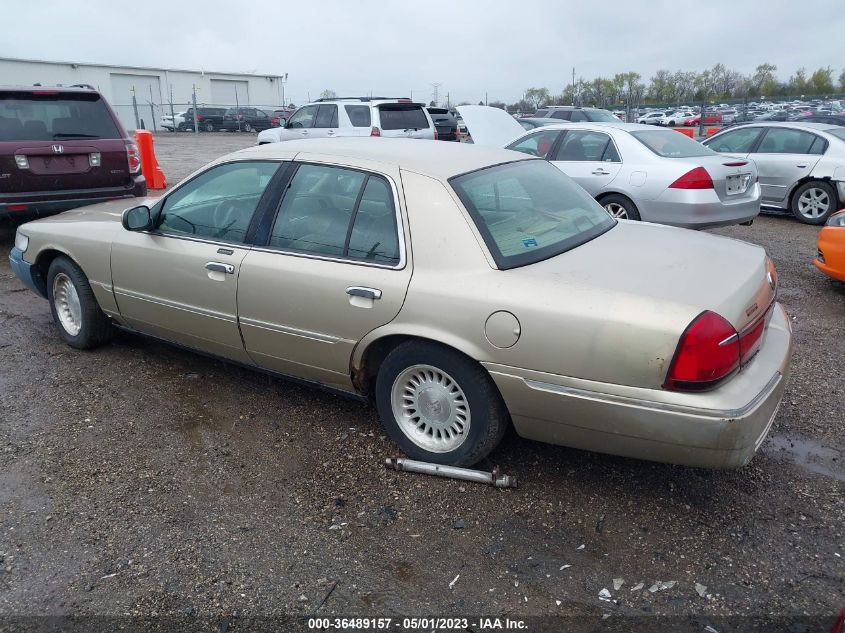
(438, 111)
(46, 117)
(601, 115)
(528, 211)
(402, 117)
(671, 144)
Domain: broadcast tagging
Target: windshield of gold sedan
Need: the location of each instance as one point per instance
(528, 211)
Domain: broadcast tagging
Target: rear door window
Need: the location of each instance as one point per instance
(54, 115)
(402, 117)
(326, 116)
(566, 115)
(359, 115)
(578, 115)
(786, 141)
(736, 141)
(583, 145)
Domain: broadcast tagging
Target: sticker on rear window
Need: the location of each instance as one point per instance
(528, 243)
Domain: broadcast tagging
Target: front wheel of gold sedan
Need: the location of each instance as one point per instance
(80, 321)
(438, 405)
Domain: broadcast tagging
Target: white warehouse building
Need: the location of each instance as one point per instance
(155, 90)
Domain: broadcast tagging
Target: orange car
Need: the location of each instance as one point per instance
(831, 245)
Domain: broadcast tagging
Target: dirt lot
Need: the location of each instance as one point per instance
(140, 479)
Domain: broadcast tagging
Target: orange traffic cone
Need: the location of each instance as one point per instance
(149, 164)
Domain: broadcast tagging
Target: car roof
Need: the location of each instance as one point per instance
(617, 125)
(819, 127)
(31, 88)
(431, 158)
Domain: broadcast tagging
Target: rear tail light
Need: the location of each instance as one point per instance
(17, 207)
(133, 156)
(375, 131)
(697, 178)
(199, 117)
(708, 352)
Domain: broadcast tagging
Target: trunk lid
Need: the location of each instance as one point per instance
(492, 127)
(665, 266)
(733, 178)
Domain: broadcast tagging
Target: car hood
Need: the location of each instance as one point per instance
(656, 269)
(111, 211)
(490, 126)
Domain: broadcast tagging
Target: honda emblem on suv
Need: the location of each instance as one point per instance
(58, 149)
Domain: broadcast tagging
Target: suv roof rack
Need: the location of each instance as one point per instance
(355, 99)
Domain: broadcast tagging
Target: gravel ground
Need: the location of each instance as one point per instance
(139, 479)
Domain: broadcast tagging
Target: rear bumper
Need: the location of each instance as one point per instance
(27, 273)
(718, 429)
(39, 204)
(700, 208)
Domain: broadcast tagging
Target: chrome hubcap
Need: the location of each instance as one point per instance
(616, 210)
(431, 408)
(813, 203)
(66, 301)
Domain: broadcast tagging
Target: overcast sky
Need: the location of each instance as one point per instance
(391, 47)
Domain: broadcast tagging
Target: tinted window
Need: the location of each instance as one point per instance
(670, 144)
(566, 115)
(582, 145)
(738, 141)
(26, 116)
(786, 141)
(374, 237)
(359, 115)
(219, 203)
(304, 117)
(601, 115)
(578, 115)
(402, 117)
(326, 116)
(537, 144)
(528, 211)
(542, 112)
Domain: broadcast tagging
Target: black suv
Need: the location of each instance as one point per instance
(208, 119)
(246, 120)
(60, 148)
(445, 123)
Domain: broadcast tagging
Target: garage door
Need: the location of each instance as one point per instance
(227, 92)
(147, 94)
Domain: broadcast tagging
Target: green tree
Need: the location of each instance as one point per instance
(842, 81)
(661, 87)
(538, 96)
(821, 81)
(798, 84)
(763, 81)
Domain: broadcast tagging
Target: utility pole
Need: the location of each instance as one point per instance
(135, 108)
(485, 97)
(194, 101)
(435, 94)
(573, 85)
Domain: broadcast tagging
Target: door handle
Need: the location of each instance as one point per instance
(801, 166)
(304, 132)
(218, 267)
(367, 293)
(330, 133)
(601, 172)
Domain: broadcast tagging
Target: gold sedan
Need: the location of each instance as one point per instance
(460, 288)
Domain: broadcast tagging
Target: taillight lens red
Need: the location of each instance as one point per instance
(708, 352)
(199, 117)
(133, 156)
(375, 131)
(697, 178)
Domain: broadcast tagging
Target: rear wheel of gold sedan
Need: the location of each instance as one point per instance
(76, 312)
(438, 405)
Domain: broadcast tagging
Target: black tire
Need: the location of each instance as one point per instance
(489, 418)
(96, 328)
(615, 201)
(824, 191)
(209, 126)
(247, 127)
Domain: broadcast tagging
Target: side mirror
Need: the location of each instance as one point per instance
(137, 219)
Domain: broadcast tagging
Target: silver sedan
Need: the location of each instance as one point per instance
(635, 171)
(801, 165)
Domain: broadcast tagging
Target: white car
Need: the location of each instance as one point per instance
(677, 117)
(355, 116)
(636, 172)
(651, 118)
(172, 122)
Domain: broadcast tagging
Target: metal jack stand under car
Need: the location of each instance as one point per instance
(496, 478)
